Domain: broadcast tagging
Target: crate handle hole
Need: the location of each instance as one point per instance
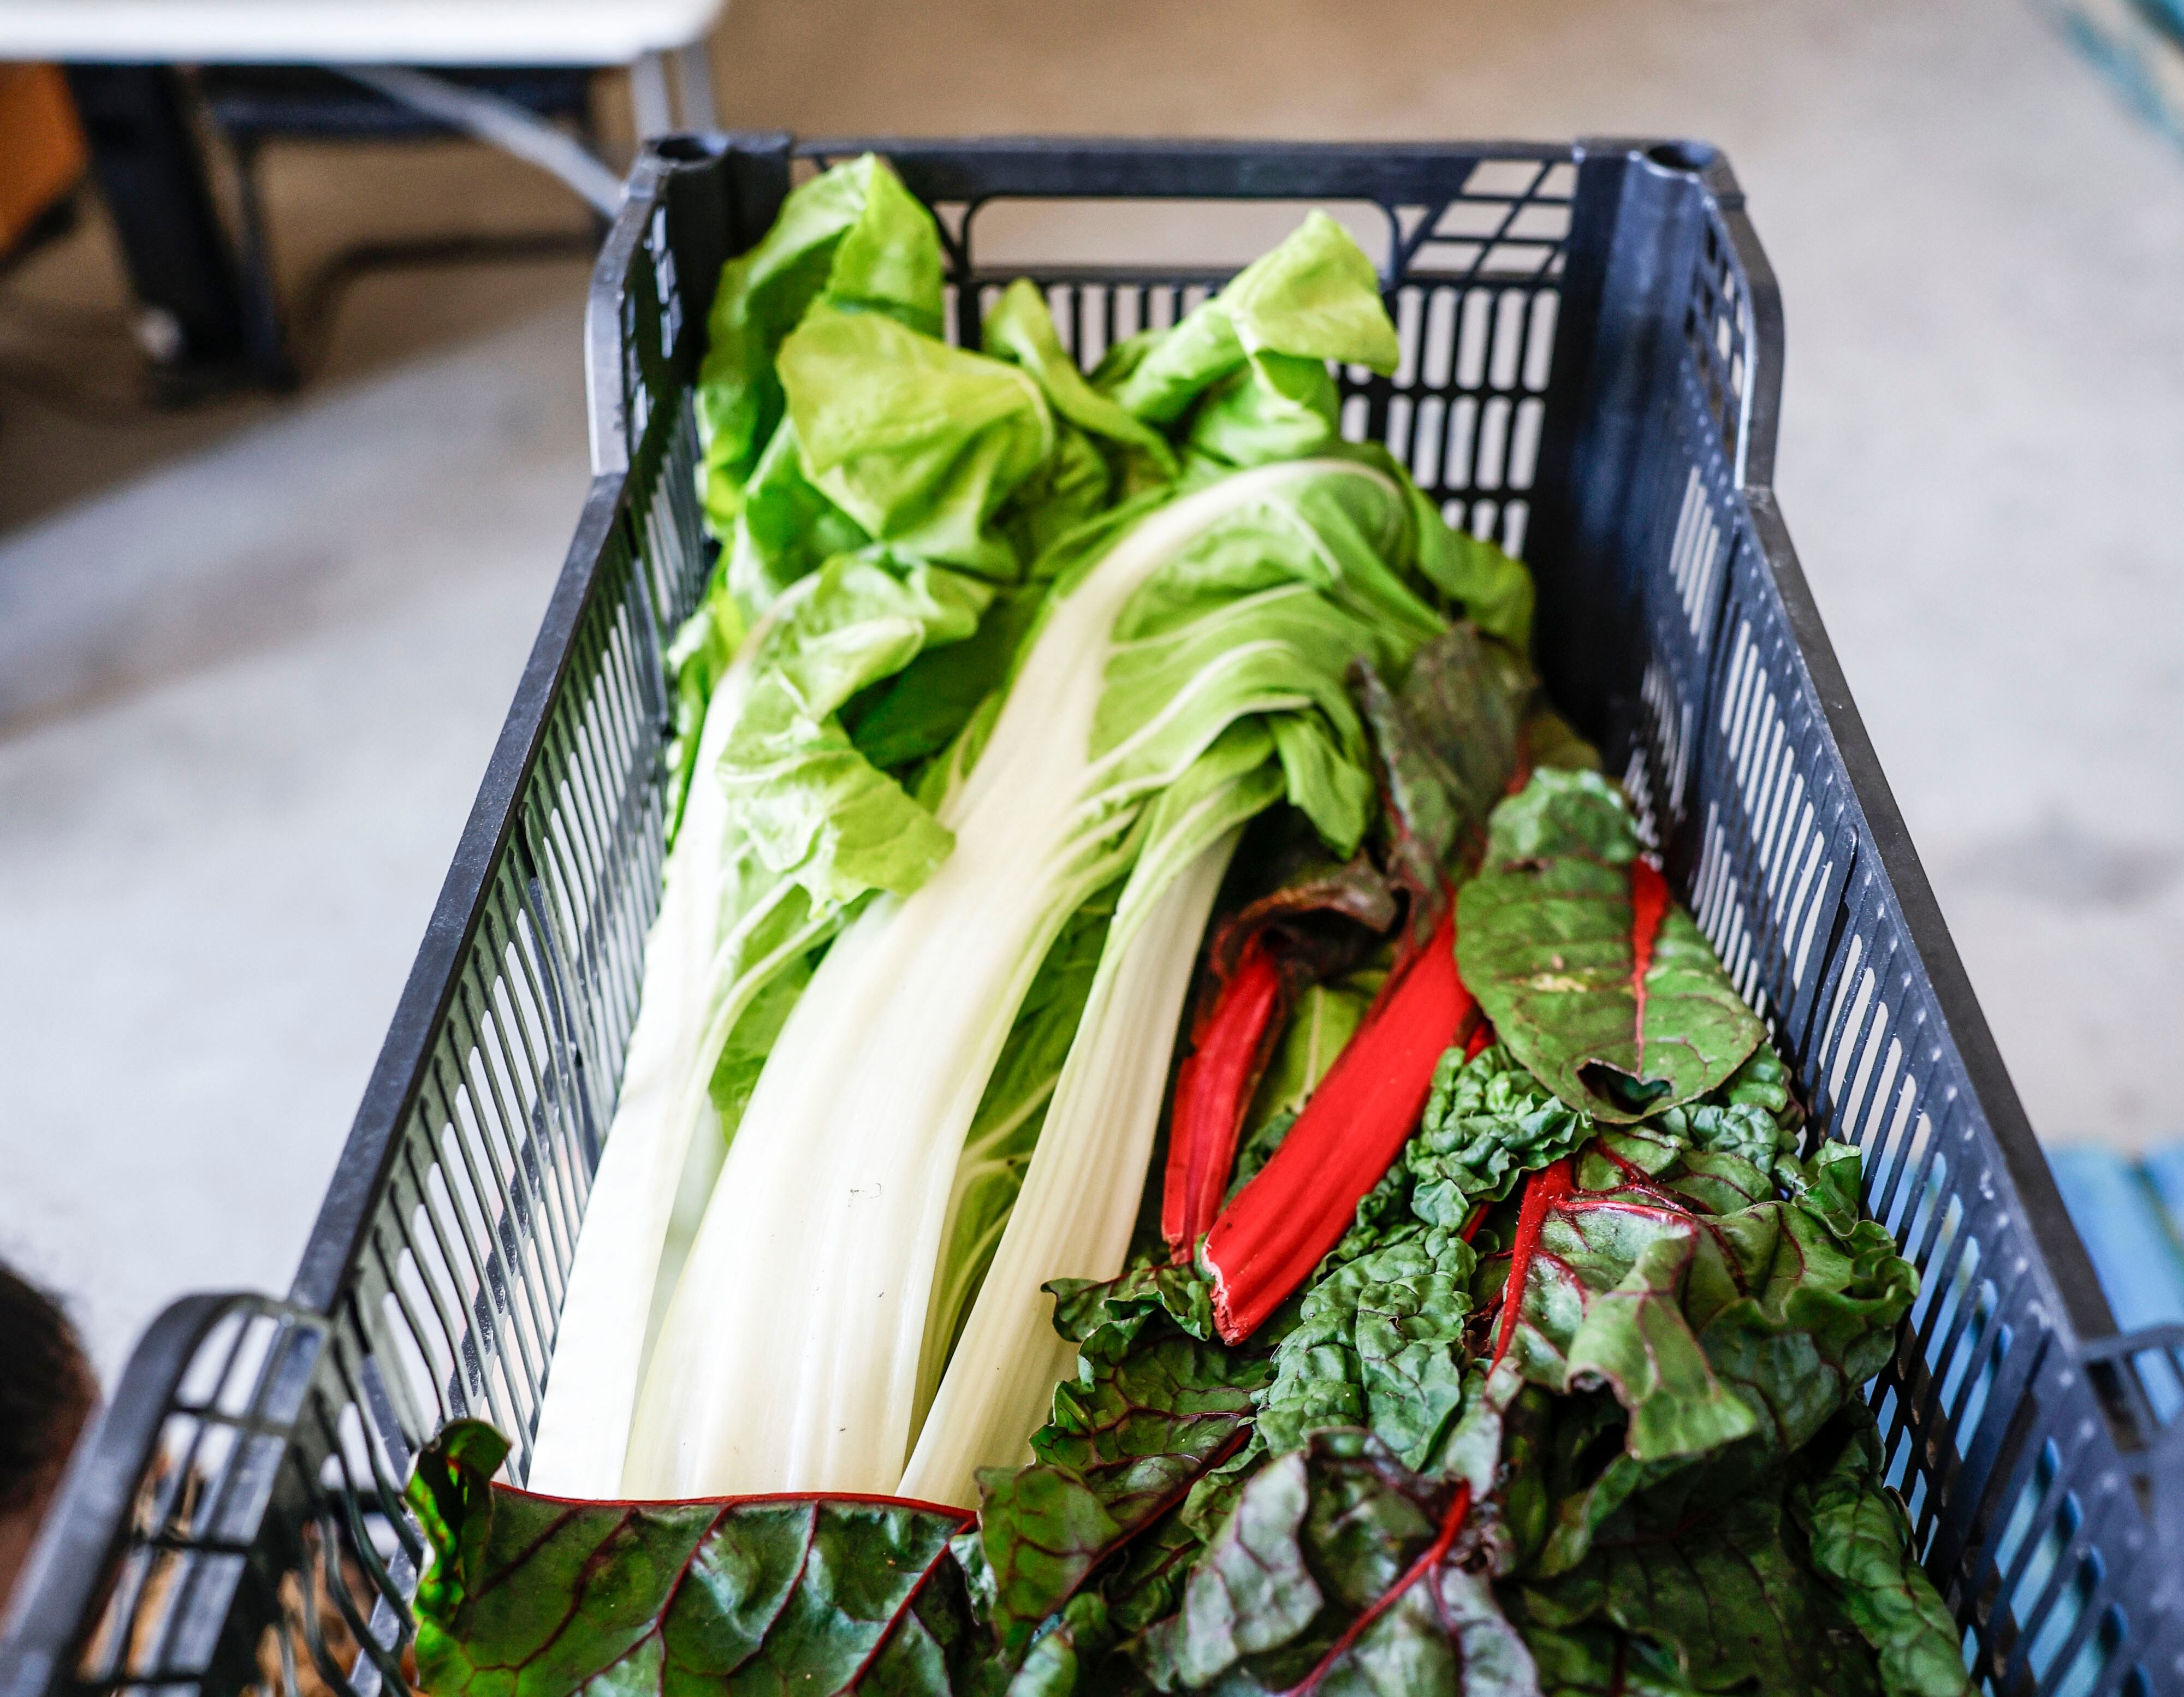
(683, 150)
(1683, 156)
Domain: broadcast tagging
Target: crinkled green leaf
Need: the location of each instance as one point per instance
(1261, 616)
(1153, 1407)
(1494, 591)
(808, 803)
(1103, 453)
(1447, 743)
(1326, 1542)
(1487, 1123)
(1596, 1660)
(932, 699)
(1044, 1530)
(1019, 327)
(1755, 1324)
(1062, 1659)
(1861, 1544)
(1252, 1590)
(854, 235)
(919, 442)
(1792, 1315)
(530, 1596)
(1244, 377)
(1544, 941)
(1377, 1344)
(1809, 1316)
(786, 528)
(1718, 1580)
(1605, 1305)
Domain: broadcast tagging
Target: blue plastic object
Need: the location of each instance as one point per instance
(2126, 1216)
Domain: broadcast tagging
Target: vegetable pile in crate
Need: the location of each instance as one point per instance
(1070, 765)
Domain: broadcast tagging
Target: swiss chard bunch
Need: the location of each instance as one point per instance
(1571, 1405)
(1567, 1402)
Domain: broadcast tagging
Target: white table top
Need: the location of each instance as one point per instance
(416, 32)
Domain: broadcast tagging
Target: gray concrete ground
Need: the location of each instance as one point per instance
(252, 659)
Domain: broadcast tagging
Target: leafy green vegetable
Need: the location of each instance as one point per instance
(1251, 1592)
(1447, 743)
(1153, 1408)
(854, 235)
(1377, 1344)
(920, 443)
(531, 1596)
(1723, 1589)
(1861, 1545)
(1338, 1569)
(1245, 377)
(1487, 1123)
(812, 807)
(1546, 940)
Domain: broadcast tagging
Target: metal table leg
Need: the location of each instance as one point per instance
(197, 320)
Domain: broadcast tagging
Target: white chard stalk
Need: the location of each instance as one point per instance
(663, 1142)
(789, 1357)
(1071, 1215)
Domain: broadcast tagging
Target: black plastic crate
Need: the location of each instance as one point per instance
(1592, 360)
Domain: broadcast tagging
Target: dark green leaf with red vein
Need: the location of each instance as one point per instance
(531, 1596)
(1605, 990)
(1754, 1324)
(1340, 1571)
(1152, 1410)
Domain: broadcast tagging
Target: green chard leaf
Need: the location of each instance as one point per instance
(1861, 1545)
(807, 803)
(1251, 1592)
(853, 235)
(1597, 1661)
(531, 1596)
(919, 442)
(1598, 983)
(1447, 744)
(1712, 1572)
(1156, 1406)
(1378, 1344)
(1244, 378)
(1340, 1570)
(929, 703)
(1746, 1329)
(1103, 452)
(1487, 1124)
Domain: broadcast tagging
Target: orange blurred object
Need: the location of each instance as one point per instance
(42, 149)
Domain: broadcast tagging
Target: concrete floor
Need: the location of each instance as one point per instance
(252, 658)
